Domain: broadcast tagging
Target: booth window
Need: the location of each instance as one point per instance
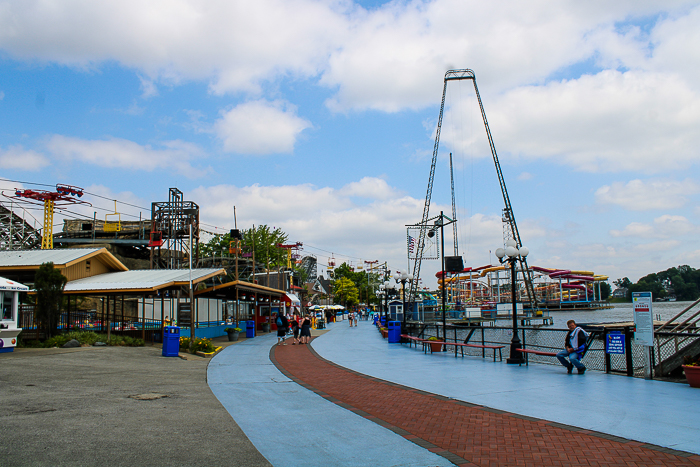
(6, 306)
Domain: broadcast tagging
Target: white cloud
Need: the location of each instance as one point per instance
(386, 58)
(321, 217)
(260, 127)
(369, 187)
(666, 226)
(234, 45)
(611, 121)
(124, 154)
(18, 158)
(638, 195)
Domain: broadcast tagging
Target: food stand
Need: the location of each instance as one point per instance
(9, 312)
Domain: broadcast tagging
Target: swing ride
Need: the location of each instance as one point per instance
(476, 290)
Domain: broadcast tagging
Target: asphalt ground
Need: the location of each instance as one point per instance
(116, 406)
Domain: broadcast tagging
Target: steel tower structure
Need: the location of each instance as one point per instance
(457, 75)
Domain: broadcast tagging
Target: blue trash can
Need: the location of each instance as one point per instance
(249, 329)
(383, 321)
(394, 332)
(171, 341)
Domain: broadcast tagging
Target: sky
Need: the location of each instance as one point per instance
(319, 117)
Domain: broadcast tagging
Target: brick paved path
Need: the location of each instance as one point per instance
(466, 434)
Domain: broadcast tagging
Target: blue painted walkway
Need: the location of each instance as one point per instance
(290, 425)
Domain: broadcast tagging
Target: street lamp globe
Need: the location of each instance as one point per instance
(511, 251)
(524, 251)
(500, 253)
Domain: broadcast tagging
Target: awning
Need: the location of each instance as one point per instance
(7, 284)
(291, 300)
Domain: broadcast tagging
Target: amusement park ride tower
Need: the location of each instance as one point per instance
(508, 217)
(174, 232)
(64, 195)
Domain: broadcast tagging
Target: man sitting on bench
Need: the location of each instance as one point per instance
(574, 345)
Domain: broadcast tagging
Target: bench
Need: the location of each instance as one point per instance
(413, 339)
(479, 346)
(536, 352)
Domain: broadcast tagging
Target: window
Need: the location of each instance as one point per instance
(6, 305)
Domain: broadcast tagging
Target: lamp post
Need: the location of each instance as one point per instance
(440, 222)
(513, 253)
(387, 286)
(381, 293)
(403, 276)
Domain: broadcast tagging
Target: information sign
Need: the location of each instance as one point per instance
(643, 318)
(615, 343)
(184, 314)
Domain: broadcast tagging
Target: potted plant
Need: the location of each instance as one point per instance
(691, 367)
(435, 344)
(233, 333)
(385, 332)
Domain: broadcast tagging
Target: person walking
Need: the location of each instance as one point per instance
(356, 318)
(282, 326)
(350, 317)
(305, 330)
(295, 329)
(574, 345)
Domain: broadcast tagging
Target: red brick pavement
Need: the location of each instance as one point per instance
(464, 433)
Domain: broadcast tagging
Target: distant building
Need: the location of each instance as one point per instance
(622, 292)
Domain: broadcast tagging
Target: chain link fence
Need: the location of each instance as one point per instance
(631, 363)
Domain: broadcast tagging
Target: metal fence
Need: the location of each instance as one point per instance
(630, 363)
(98, 321)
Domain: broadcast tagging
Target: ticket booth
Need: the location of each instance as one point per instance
(9, 313)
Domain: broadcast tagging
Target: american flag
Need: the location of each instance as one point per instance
(411, 243)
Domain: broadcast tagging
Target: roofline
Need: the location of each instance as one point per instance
(145, 289)
(110, 259)
(243, 285)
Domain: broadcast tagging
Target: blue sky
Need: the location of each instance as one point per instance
(319, 116)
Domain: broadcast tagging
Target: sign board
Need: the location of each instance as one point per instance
(615, 343)
(506, 309)
(184, 314)
(643, 318)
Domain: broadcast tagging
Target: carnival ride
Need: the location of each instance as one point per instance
(425, 228)
(554, 288)
(51, 200)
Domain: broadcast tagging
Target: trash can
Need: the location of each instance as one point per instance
(383, 321)
(394, 332)
(320, 324)
(171, 341)
(249, 329)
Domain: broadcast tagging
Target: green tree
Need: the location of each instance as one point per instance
(605, 290)
(345, 291)
(366, 283)
(622, 283)
(49, 284)
(263, 239)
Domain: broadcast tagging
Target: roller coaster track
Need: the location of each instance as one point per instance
(456, 75)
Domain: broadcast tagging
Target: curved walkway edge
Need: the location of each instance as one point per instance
(292, 426)
(467, 434)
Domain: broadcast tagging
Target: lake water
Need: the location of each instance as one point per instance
(621, 312)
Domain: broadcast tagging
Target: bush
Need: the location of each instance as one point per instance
(200, 345)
